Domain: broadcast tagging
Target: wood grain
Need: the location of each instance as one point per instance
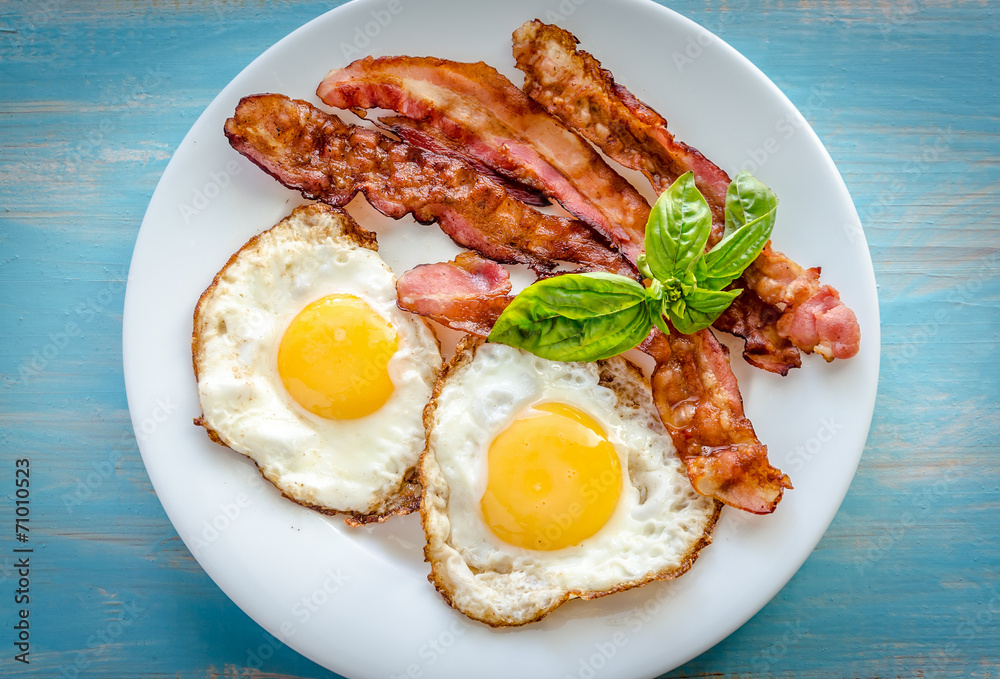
(94, 98)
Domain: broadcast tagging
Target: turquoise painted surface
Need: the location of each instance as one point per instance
(94, 97)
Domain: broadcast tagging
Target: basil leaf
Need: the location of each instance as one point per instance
(750, 214)
(643, 267)
(747, 199)
(576, 317)
(584, 317)
(678, 314)
(731, 256)
(699, 309)
(711, 301)
(677, 230)
(660, 323)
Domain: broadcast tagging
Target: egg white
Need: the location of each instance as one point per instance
(655, 532)
(361, 466)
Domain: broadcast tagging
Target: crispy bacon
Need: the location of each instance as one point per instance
(756, 322)
(693, 384)
(468, 294)
(699, 401)
(326, 159)
(814, 319)
(485, 114)
(571, 84)
(429, 138)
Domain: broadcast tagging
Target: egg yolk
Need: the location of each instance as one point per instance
(554, 479)
(334, 357)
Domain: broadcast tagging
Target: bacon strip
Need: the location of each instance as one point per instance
(431, 139)
(750, 318)
(468, 294)
(571, 84)
(699, 401)
(326, 159)
(814, 319)
(693, 384)
(481, 111)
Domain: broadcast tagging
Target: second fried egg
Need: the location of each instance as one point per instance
(545, 481)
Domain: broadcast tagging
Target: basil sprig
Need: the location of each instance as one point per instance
(585, 317)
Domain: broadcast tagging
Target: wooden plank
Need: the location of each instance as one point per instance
(95, 96)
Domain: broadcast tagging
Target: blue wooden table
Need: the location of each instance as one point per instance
(94, 98)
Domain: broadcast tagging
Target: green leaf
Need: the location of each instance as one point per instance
(699, 309)
(711, 301)
(584, 317)
(643, 267)
(660, 323)
(576, 317)
(655, 304)
(750, 213)
(677, 230)
(678, 314)
(747, 199)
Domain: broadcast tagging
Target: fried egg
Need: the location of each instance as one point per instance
(546, 481)
(306, 365)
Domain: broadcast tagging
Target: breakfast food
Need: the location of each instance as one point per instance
(488, 118)
(694, 388)
(541, 481)
(788, 309)
(700, 403)
(473, 112)
(326, 159)
(517, 520)
(305, 364)
(282, 136)
(467, 294)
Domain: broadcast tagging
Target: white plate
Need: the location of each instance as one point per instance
(357, 601)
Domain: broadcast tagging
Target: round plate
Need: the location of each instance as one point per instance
(358, 601)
